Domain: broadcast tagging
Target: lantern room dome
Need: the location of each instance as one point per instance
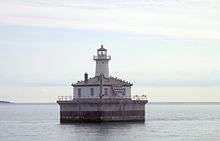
(102, 48)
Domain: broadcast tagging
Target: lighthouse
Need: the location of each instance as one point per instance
(101, 98)
(102, 60)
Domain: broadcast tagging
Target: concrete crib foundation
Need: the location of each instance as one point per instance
(101, 110)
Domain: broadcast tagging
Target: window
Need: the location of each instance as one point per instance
(92, 91)
(106, 91)
(79, 92)
(124, 92)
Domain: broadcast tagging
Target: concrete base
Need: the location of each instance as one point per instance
(102, 110)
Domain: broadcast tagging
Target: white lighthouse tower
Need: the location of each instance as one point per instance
(102, 60)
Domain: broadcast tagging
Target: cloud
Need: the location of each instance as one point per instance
(188, 19)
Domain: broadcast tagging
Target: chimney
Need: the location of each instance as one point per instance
(86, 77)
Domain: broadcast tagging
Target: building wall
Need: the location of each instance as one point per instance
(102, 110)
(86, 92)
(128, 92)
(102, 68)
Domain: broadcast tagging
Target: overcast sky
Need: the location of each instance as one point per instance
(153, 43)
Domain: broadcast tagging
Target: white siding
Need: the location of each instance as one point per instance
(128, 92)
(102, 68)
(86, 92)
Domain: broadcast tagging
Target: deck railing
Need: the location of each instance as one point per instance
(65, 98)
(139, 97)
(69, 98)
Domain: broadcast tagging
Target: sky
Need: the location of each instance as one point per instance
(169, 49)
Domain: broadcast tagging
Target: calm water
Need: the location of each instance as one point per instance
(40, 122)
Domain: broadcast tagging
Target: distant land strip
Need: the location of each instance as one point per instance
(185, 103)
(4, 102)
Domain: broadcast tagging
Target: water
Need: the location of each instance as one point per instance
(36, 122)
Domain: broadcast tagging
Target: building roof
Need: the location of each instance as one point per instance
(95, 81)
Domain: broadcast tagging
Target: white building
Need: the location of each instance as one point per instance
(102, 85)
(101, 98)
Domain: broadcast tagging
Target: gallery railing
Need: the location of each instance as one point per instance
(139, 97)
(102, 57)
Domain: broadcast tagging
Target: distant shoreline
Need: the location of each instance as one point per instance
(185, 103)
(5, 102)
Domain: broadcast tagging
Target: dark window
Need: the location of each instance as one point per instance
(91, 91)
(106, 91)
(79, 92)
(124, 91)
